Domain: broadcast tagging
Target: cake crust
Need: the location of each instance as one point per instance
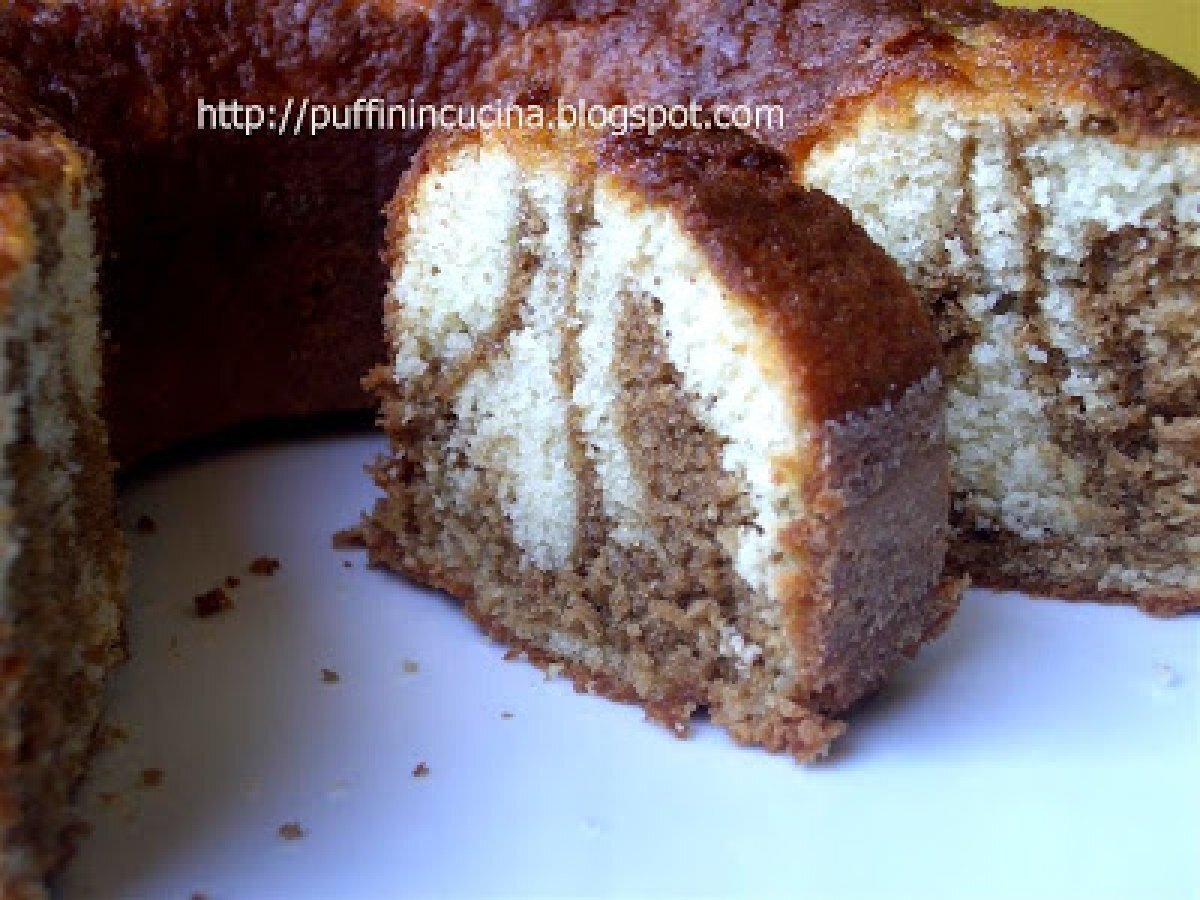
(824, 60)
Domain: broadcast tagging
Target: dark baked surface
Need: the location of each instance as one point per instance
(1054, 51)
(820, 59)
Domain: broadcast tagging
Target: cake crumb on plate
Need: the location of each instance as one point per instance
(348, 539)
(292, 831)
(212, 602)
(330, 676)
(421, 770)
(152, 777)
(264, 565)
(145, 525)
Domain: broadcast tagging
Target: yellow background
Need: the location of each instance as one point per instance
(1172, 27)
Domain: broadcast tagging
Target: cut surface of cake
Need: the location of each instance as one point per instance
(62, 558)
(663, 418)
(1037, 178)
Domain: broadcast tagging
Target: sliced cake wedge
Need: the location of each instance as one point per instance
(665, 420)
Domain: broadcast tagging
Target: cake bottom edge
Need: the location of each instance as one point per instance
(795, 728)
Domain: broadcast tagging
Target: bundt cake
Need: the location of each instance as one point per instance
(1038, 179)
(62, 559)
(1034, 176)
(664, 419)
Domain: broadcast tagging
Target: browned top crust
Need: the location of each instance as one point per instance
(820, 59)
(1052, 51)
(132, 70)
(852, 330)
(139, 66)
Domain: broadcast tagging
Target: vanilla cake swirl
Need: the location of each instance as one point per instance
(663, 418)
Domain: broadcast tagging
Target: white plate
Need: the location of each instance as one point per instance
(1038, 750)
